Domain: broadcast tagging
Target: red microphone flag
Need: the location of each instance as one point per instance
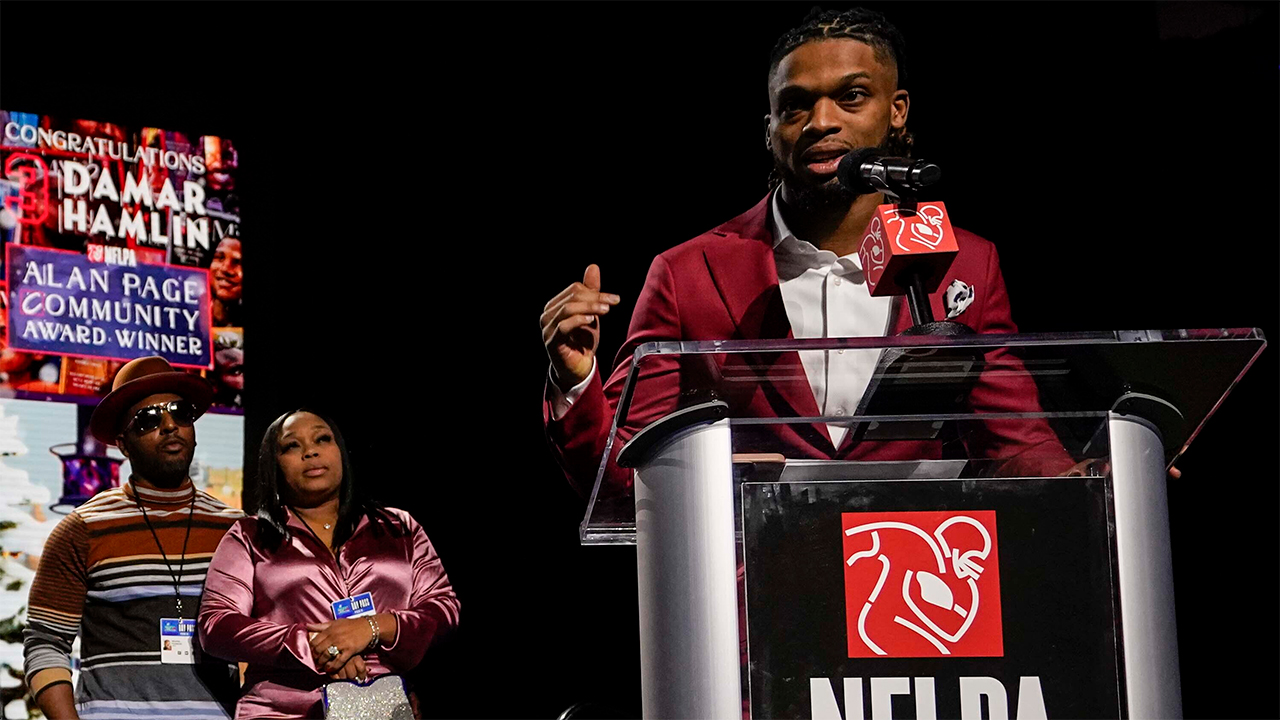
(897, 238)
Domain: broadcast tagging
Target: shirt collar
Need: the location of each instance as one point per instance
(801, 252)
(781, 231)
(180, 495)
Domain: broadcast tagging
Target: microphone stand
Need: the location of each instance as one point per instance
(912, 281)
(901, 383)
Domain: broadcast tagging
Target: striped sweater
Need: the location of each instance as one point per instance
(102, 577)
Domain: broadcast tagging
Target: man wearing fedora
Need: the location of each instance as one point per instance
(125, 571)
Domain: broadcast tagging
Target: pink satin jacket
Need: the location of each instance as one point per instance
(257, 604)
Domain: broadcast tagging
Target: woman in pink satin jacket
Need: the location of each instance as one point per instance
(323, 584)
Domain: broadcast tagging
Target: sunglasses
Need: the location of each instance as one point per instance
(149, 418)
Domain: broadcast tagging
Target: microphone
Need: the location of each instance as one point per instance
(866, 171)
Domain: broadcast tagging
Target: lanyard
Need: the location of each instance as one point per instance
(177, 576)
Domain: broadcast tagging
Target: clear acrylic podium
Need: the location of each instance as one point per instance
(989, 539)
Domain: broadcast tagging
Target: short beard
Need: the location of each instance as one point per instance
(161, 471)
(829, 198)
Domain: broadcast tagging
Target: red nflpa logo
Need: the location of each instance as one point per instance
(922, 584)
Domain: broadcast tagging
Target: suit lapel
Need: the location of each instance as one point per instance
(745, 275)
(899, 316)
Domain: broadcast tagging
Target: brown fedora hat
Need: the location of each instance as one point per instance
(139, 379)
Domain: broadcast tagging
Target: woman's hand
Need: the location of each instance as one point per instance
(350, 636)
(354, 670)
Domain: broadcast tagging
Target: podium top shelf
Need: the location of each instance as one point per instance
(1024, 404)
(1021, 340)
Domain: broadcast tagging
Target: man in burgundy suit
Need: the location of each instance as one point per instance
(789, 267)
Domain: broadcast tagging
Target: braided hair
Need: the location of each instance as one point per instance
(867, 26)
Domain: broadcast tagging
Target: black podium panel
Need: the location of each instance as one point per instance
(938, 598)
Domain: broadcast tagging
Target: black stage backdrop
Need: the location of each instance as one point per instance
(424, 178)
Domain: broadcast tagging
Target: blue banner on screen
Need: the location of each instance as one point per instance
(68, 303)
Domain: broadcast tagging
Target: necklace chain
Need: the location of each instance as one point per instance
(305, 521)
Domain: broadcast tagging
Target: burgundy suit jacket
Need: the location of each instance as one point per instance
(723, 285)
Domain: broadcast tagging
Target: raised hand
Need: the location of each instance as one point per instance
(571, 328)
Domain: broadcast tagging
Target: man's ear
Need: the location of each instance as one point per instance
(120, 446)
(901, 106)
(768, 140)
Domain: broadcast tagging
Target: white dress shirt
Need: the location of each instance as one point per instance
(825, 296)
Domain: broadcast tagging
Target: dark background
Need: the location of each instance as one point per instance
(418, 180)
